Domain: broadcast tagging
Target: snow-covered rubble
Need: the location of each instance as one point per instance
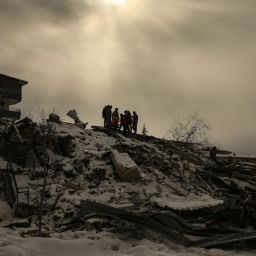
(89, 168)
(82, 168)
(96, 244)
(138, 173)
(126, 168)
(190, 202)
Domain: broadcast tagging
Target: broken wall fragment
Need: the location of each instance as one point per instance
(124, 166)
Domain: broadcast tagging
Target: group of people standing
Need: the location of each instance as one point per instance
(125, 121)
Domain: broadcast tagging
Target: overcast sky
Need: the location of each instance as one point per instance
(162, 58)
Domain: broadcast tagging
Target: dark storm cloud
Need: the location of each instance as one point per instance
(29, 12)
(64, 9)
(163, 59)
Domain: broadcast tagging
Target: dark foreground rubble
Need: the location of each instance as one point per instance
(98, 179)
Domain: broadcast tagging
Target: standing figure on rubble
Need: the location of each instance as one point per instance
(135, 119)
(129, 121)
(213, 154)
(126, 122)
(108, 116)
(104, 115)
(115, 119)
(121, 121)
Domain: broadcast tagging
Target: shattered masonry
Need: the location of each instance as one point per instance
(172, 184)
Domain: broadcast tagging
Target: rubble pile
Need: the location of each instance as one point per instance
(140, 174)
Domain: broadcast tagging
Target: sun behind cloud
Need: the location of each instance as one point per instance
(117, 2)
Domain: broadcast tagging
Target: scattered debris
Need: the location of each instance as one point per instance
(91, 207)
(54, 118)
(125, 167)
(72, 114)
(20, 224)
(169, 231)
(167, 186)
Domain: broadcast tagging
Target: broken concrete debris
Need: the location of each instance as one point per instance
(165, 186)
(73, 114)
(169, 231)
(54, 118)
(91, 207)
(188, 203)
(125, 167)
(66, 144)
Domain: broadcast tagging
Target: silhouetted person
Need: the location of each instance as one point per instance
(115, 119)
(104, 115)
(213, 154)
(135, 119)
(126, 123)
(129, 115)
(121, 121)
(108, 116)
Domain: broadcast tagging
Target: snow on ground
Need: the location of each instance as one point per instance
(79, 176)
(83, 244)
(3, 163)
(183, 203)
(5, 210)
(22, 180)
(94, 146)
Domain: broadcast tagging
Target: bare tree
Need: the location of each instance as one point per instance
(193, 129)
(41, 113)
(45, 133)
(45, 165)
(144, 130)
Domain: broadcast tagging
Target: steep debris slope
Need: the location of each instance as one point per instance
(140, 174)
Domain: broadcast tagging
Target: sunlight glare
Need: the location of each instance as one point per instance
(117, 2)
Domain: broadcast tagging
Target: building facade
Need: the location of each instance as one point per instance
(10, 94)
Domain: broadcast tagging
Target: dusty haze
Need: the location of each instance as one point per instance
(162, 58)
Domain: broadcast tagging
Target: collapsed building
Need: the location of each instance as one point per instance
(57, 176)
(70, 178)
